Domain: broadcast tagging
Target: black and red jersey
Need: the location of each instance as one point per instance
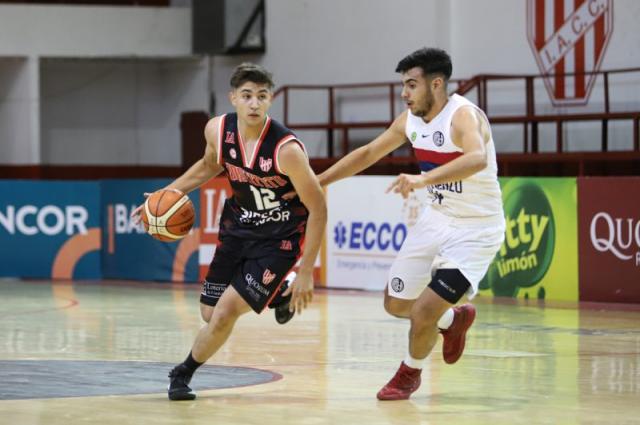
(256, 209)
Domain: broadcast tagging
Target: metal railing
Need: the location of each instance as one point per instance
(530, 119)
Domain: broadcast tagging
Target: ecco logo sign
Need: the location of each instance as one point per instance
(369, 235)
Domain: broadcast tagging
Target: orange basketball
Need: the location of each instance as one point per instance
(168, 215)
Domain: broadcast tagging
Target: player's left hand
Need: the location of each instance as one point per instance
(405, 183)
(302, 290)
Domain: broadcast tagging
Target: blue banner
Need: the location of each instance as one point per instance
(50, 229)
(128, 252)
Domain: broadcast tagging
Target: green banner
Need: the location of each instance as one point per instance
(539, 257)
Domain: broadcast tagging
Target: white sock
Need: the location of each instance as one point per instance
(413, 363)
(446, 319)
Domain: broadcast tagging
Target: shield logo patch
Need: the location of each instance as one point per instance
(569, 39)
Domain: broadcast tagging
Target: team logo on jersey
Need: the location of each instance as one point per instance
(286, 245)
(569, 38)
(413, 136)
(267, 277)
(230, 138)
(265, 164)
(438, 138)
(397, 284)
(233, 153)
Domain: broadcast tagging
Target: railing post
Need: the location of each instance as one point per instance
(559, 138)
(605, 135)
(636, 134)
(530, 112)
(606, 92)
(483, 94)
(345, 140)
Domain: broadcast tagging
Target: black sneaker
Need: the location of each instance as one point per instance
(283, 315)
(179, 384)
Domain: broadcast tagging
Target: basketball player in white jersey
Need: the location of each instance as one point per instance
(449, 249)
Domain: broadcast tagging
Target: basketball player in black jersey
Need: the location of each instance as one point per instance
(261, 234)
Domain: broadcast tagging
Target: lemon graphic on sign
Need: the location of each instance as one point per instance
(527, 251)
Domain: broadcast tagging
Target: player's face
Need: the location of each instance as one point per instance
(251, 101)
(417, 92)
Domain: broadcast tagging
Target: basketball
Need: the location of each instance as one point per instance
(168, 215)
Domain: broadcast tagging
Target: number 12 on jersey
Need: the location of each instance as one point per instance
(265, 198)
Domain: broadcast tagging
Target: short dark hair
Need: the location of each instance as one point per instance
(431, 60)
(247, 71)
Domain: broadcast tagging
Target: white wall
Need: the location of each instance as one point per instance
(118, 111)
(18, 110)
(94, 31)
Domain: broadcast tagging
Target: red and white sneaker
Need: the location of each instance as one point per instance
(402, 385)
(454, 337)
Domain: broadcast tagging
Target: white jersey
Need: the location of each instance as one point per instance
(477, 196)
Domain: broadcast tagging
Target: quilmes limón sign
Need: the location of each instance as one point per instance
(530, 234)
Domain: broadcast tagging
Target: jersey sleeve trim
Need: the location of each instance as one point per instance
(286, 139)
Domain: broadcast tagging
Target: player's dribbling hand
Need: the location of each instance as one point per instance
(405, 183)
(136, 215)
(302, 292)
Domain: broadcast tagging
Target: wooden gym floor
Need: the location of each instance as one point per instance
(99, 352)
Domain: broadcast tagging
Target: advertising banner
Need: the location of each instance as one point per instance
(365, 230)
(609, 239)
(49, 229)
(539, 257)
(128, 252)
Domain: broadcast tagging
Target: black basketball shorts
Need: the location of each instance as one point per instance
(254, 267)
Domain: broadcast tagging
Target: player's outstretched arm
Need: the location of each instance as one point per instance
(203, 169)
(367, 155)
(466, 133)
(206, 167)
(294, 162)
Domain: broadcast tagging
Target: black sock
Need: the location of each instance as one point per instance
(191, 364)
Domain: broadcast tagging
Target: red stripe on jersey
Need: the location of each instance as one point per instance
(436, 157)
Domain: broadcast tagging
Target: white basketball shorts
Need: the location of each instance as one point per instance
(438, 241)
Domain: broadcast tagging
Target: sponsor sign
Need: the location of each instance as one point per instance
(609, 239)
(128, 252)
(50, 229)
(365, 230)
(538, 258)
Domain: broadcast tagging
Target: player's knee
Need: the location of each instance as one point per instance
(221, 322)
(223, 319)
